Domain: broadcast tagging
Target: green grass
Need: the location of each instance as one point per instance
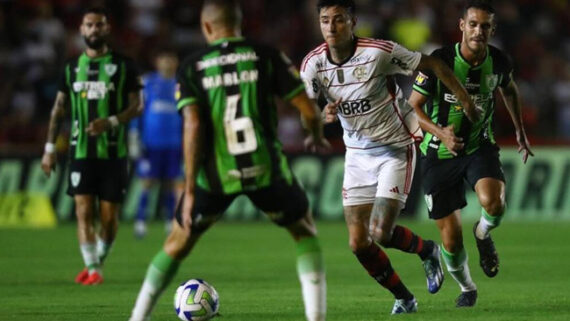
(252, 265)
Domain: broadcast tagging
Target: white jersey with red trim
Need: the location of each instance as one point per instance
(373, 112)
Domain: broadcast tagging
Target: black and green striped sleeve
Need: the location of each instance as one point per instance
(426, 81)
(187, 91)
(287, 79)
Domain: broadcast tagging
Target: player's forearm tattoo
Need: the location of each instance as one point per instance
(57, 115)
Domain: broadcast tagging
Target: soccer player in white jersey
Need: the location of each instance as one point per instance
(379, 126)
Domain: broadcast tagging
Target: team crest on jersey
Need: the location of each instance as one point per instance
(110, 69)
(421, 79)
(359, 73)
(492, 81)
(75, 178)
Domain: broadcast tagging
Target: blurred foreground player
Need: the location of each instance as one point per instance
(231, 148)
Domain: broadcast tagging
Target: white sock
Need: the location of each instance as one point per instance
(90, 258)
(103, 249)
(459, 269)
(483, 228)
(314, 288)
(145, 302)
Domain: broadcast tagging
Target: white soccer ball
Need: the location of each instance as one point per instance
(196, 300)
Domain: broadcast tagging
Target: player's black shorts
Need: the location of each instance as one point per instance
(442, 180)
(105, 178)
(282, 203)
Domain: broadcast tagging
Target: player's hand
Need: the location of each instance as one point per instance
(98, 126)
(315, 145)
(472, 111)
(330, 111)
(524, 146)
(452, 142)
(48, 163)
(187, 206)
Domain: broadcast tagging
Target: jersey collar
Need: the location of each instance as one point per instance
(106, 55)
(354, 47)
(228, 39)
(464, 61)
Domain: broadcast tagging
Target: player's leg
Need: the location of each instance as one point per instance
(395, 176)
(109, 215)
(148, 170)
(172, 184)
(491, 194)
(445, 195)
(486, 177)
(177, 246)
(287, 205)
(84, 208)
(455, 257)
(82, 186)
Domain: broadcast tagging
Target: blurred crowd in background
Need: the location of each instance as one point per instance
(37, 36)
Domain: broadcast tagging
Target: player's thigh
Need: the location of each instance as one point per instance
(112, 180)
(84, 207)
(443, 186)
(82, 179)
(149, 164)
(283, 202)
(357, 219)
(208, 208)
(395, 174)
(109, 211)
(485, 174)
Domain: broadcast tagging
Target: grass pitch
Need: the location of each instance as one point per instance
(252, 265)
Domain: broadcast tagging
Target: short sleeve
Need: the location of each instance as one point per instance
(401, 60)
(506, 72)
(186, 89)
(133, 81)
(309, 76)
(286, 77)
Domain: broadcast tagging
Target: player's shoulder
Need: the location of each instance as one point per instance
(315, 55)
(444, 52)
(499, 56)
(378, 46)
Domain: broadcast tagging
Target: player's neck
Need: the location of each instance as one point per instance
(94, 53)
(472, 57)
(342, 52)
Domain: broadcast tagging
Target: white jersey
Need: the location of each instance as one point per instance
(373, 112)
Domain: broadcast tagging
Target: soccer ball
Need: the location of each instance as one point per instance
(196, 300)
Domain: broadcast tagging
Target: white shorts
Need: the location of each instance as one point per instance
(384, 172)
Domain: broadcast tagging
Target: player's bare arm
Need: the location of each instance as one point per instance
(511, 97)
(192, 142)
(329, 112)
(311, 122)
(134, 109)
(449, 79)
(445, 134)
(57, 115)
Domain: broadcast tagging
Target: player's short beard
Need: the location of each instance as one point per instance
(96, 44)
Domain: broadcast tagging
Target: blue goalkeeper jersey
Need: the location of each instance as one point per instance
(160, 126)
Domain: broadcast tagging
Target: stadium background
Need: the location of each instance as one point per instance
(246, 259)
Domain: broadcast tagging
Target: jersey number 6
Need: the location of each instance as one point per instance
(240, 134)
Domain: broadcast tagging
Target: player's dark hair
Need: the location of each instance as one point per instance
(485, 5)
(230, 9)
(96, 10)
(349, 5)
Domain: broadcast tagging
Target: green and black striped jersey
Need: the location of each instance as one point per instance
(97, 88)
(444, 109)
(234, 83)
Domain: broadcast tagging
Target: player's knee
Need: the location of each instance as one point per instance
(380, 236)
(493, 205)
(358, 243)
(453, 245)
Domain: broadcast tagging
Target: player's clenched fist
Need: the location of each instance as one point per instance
(330, 110)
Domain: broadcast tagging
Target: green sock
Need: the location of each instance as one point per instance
(487, 223)
(159, 274)
(311, 271)
(457, 266)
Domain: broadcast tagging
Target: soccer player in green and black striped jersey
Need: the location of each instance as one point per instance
(227, 99)
(104, 92)
(455, 149)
